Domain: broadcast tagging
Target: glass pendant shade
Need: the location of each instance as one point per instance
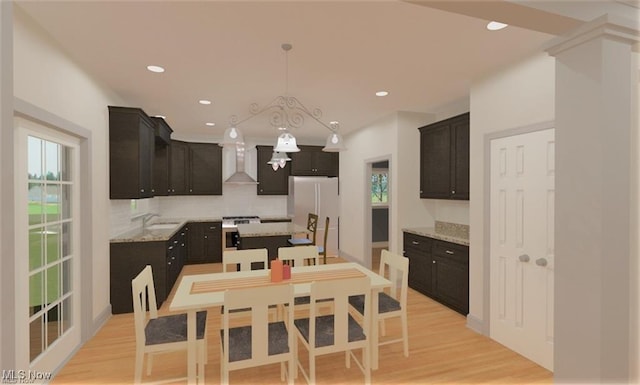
(335, 143)
(286, 143)
(232, 136)
(278, 159)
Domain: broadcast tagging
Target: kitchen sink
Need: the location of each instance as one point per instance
(162, 226)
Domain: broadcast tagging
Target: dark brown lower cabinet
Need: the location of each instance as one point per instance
(270, 243)
(439, 270)
(127, 259)
(205, 242)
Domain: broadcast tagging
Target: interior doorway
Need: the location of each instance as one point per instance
(379, 208)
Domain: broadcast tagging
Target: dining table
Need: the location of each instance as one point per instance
(202, 291)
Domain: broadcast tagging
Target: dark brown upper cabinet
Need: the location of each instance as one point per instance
(196, 168)
(312, 161)
(162, 160)
(444, 159)
(131, 153)
(271, 182)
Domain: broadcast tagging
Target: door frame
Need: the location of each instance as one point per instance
(30, 112)
(484, 325)
(368, 220)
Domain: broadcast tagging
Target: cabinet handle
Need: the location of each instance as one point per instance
(172, 258)
(182, 245)
(190, 190)
(415, 242)
(170, 247)
(168, 263)
(205, 237)
(449, 252)
(433, 261)
(176, 241)
(212, 228)
(453, 191)
(153, 190)
(141, 190)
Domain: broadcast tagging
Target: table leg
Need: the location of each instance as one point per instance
(374, 330)
(191, 348)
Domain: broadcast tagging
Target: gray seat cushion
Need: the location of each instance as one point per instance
(306, 300)
(324, 330)
(386, 303)
(299, 241)
(173, 328)
(240, 341)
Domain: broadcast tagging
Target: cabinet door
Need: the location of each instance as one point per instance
(451, 283)
(205, 165)
(179, 171)
(418, 250)
(302, 162)
(147, 149)
(213, 242)
(435, 161)
(325, 163)
(271, 182)
(196, 243)
(161, 165)
(460, 174)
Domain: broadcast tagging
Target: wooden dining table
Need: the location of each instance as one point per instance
(202, 291)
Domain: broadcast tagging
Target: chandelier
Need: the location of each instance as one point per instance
(285, 113)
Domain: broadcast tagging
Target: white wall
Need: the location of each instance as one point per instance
(518, 96)
(44, 76)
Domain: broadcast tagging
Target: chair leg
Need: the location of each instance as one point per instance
(291, 367)
(366, 358)
(347, 359)
(137, 377)
(202, 352)
(149, 363)
(312, 369)
(405, 334)
(383, 328)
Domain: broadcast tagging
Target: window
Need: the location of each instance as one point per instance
(379, 188)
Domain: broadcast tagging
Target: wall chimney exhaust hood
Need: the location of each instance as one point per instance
(240, 176)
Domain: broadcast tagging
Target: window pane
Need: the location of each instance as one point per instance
(65, 200)
(36, 199)
(36, 253)
(379, 191)
(66, 276)
(66, 314)
(66, 239)
(35, 158)
(53, 283)
(53, 324)
(36, 337)
(52, 202)
(52, 161)
(36, 288)
(53, 235)
(65, 163)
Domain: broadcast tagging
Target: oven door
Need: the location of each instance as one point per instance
(230, 238)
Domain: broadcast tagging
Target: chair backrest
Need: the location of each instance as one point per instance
(396, 269)
(340, 290)
(326, 235)
(143, 291)
(258, 299)
(299, 254)
(244, 258)
(312, 226)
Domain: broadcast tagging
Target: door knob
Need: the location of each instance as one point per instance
(524, 258)
(541, 262)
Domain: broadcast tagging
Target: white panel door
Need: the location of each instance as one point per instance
(522, 244)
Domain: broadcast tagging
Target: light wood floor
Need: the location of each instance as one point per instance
(442, 350)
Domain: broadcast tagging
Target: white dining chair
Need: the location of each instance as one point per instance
(394, 303)
(161, 334)
(245, 258)
(299, 255)
(337, 332)
(261, 342)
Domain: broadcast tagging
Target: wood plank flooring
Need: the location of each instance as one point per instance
(442, 350)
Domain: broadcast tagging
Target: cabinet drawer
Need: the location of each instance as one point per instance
(417, 242)
(451, 251)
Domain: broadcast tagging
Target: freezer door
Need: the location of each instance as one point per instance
(328, 202)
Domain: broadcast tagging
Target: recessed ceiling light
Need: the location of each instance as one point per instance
(204, 101)
(160, 116)
(210, 124)
(495, 26)
(382, 93)
(156, 69)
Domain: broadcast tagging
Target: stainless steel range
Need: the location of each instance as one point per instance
(230, 230)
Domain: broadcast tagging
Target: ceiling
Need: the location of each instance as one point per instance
(230, 53)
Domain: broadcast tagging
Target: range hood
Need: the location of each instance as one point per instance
(240, 176)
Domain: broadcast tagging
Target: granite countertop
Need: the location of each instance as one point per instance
(160, 233)
(450, 232)
(269, 229)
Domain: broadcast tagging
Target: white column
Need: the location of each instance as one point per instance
(7, 264)
(596, 101)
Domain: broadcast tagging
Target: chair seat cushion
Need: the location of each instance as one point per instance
(299, 241)
(173, 328)
(324, 330)
(240, 341)
(306, 300)
(242, 309)
(386, 303)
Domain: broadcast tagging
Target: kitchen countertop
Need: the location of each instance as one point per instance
(432, 233)
(158, 235)
(269, 229)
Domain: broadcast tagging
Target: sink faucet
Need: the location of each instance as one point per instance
(147, 217)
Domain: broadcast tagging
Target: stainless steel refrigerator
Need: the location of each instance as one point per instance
(318, 195)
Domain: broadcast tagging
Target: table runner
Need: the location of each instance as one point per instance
(240, 283)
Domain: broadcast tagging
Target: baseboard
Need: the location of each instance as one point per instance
(477, 325)
(380, 244)
(100, 320)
